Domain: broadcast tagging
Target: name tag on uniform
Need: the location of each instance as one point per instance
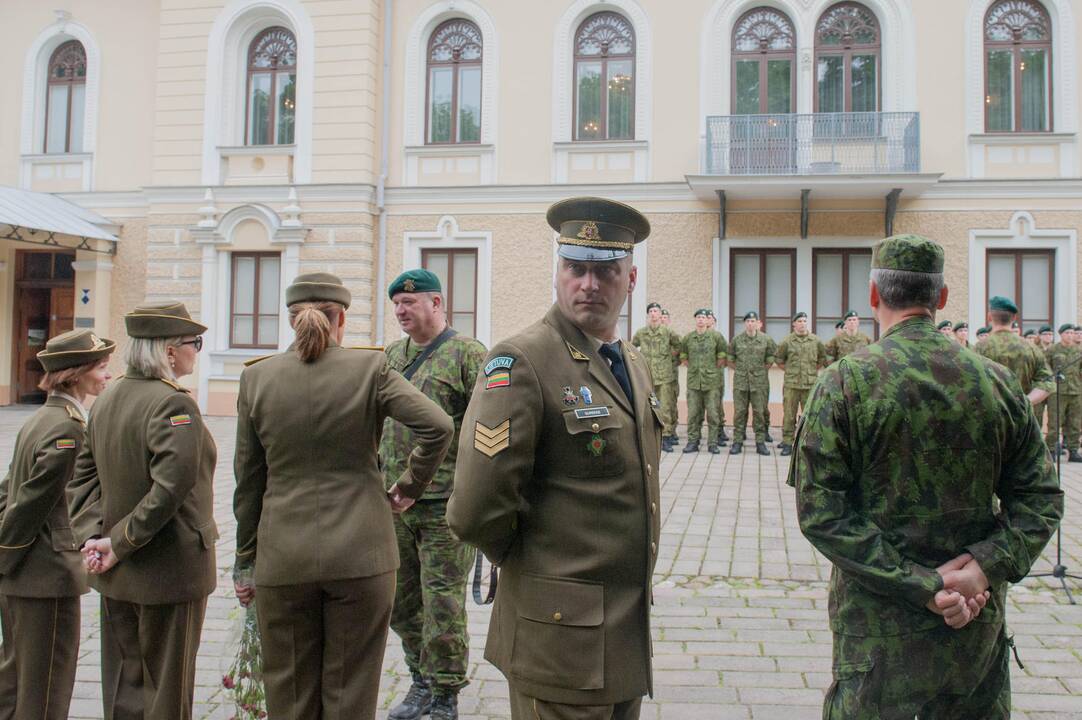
(591, 412)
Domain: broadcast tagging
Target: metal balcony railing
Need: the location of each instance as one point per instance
(816, 144)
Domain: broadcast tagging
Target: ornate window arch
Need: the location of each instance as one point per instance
(65, 99)
(1017, 67)
(764, 64)
(454, 82)
(271, 96)
(604, 78)
(848, 50)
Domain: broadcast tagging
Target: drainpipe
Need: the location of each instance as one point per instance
(381, 185)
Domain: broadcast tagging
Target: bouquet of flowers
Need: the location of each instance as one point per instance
(244, 679)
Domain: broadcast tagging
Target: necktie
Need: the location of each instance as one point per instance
(611, 352)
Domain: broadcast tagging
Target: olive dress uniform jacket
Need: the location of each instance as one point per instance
(559, 487)
(38, 555)
(145, 478)
(310, 500)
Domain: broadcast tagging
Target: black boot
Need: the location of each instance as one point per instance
(692, 446)
(786, 449)
(666, 446)
(722, 437)
(418, 702)
(445, 706)
(768, 438)
(713, 448)
(760, 447)
(737, 448)
(1074, 456)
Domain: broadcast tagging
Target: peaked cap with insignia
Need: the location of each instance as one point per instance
(912, 253)
(415, 281)
(318, 287)
(74, 348)
(161, 320)
(594, 229)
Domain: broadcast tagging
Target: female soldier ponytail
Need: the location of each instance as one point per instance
(313, 323)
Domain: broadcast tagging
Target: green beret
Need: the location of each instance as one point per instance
(1002, 304)
(1029, 333)
(1078, 328)
(651, 306)
(984, 330)
(1045, 329)
(944, 324)
(594, 229)
(318, 287)
(851, 313)
(839, 325)
(751, 315)
(961, 326)
(1065, 327)
(74, 348)
(664, 312)
(799, 315)
(415, 281)
(161, 320)
(704, 312)
(912, 253)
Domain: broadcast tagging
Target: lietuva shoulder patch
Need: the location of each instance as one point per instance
(253, 361)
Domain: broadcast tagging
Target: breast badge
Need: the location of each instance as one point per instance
(570, 398)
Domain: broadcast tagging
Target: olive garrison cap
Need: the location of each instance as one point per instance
(799, 315)
(74, 348)
(913, 253)
(1002, 304)
(961, 326)
(944, 324)
(1045, 329)
(411, 281)
(704, 312)
(318, 287)
(161, 320)
(751, 315)
(651, 306)
(1065, 327)
(594, 229)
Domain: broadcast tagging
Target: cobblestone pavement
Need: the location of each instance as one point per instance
(740, 623)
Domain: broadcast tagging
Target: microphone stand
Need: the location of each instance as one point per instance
(1059, 570)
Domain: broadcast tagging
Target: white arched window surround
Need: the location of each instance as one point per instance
(898, 78)
(227, 66)
(35, 70)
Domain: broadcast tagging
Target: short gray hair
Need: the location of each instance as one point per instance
(900, 289)
(147, 356)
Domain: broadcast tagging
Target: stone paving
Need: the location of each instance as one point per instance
(740, 623)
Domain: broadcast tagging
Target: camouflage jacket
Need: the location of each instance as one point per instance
(1026, 362)
(911, 452)
(802, 356)
(751, 357)
(703, 352)
(660, 346)
(1067, 358)
(447, 377)
(841, 345)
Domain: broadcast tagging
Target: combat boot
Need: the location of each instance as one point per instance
(768, 438)
(786, 449)
(666, 446)
(713, 448)
(722, 437)
(1074, 456)
(692, 446)
(445, 706)
(737, 448)
(761, 448)
(418, 702)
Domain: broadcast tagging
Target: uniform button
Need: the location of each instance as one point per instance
(649, 469)
(653, 508)
(557, 616)
(653, 548)
(595, 427)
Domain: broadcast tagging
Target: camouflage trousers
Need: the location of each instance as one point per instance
(793, 401)
(757, 398)
(430, 599)
(939, 674)
(1066, 423)
(666, 395)
(708, 403)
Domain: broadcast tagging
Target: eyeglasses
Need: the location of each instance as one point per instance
(198, 343)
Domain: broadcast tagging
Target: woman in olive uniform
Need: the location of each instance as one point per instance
(142, 507)
(312, 513)
(42, 572)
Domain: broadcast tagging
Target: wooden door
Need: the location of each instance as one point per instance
(34, 308)
(61, 310)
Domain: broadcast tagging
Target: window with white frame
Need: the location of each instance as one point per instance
(1017, 67)
(271, 99)
(254, 299)
(65, 99)
(604, 75)
(453, 99)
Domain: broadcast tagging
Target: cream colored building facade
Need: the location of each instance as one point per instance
(890, 115)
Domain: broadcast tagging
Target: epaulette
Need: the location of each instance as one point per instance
(176, 386)
(253, 361)
(75, 414)
(377, 348)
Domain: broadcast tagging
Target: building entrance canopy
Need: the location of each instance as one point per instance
(44, 219)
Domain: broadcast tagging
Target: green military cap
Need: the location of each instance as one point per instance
(74, 348)
(799, 315)
(961, 326)
(751, 315)
(418, 280)
(839, 325)
(1065, 327)
(704, 312)
(161, 320)
(651, 306)
(851, 313)
(594, 229)
(1002, 304)
(1045, 329)
(318, 287)
(984, 330)
(944, 324)
(912, 253)
(1078, 328)
(664, 312)
(1029, 333)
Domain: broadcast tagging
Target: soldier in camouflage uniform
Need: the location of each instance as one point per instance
(704, 352)
(1064, 415)
(1047, 342)
(961, 333)
(660, 346)
(801, 355)
(906, 450)
(430, 598)
(751, 353)
(1005, 347)
(722, 437)
(1048, 339)
(946, 328)
(849, 339)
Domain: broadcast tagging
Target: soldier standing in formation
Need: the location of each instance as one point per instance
(557, 483)
(142, 508)
(430, 596)
(1065, 412)
(961, 333)
(751, 354)
(801, 355)
(1048, 339)
(313, 515)
(42, 572)
(849, 339)
(1005, 347)
(925, 522)
(982, 334)
(661, 348)
(704, 352)
(722, 437)
(946, 328)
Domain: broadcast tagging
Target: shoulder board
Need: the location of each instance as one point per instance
(175, 386)
(377, 348)
(75, 414)
(253, 361)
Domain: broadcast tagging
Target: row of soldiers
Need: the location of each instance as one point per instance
(706, 354)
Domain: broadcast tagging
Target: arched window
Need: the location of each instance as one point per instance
(847, 54)
(454, 83)
(65, 99)
(272, 88)
(764, 59)
(1017, 67)
(605, 78)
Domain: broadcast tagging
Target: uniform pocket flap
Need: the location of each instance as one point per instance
(63, 538)
(585, 421)
(208, 534)
(848, 670)
(577, 603)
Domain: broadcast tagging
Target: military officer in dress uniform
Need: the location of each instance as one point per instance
(661, 348)
(557, 483)
(751, 353)
(313, 515)
(704, 353)
(801, 355)
(849, 339)
(41, 571)
(142, 508)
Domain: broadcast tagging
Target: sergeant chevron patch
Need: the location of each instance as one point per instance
(492, 440)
